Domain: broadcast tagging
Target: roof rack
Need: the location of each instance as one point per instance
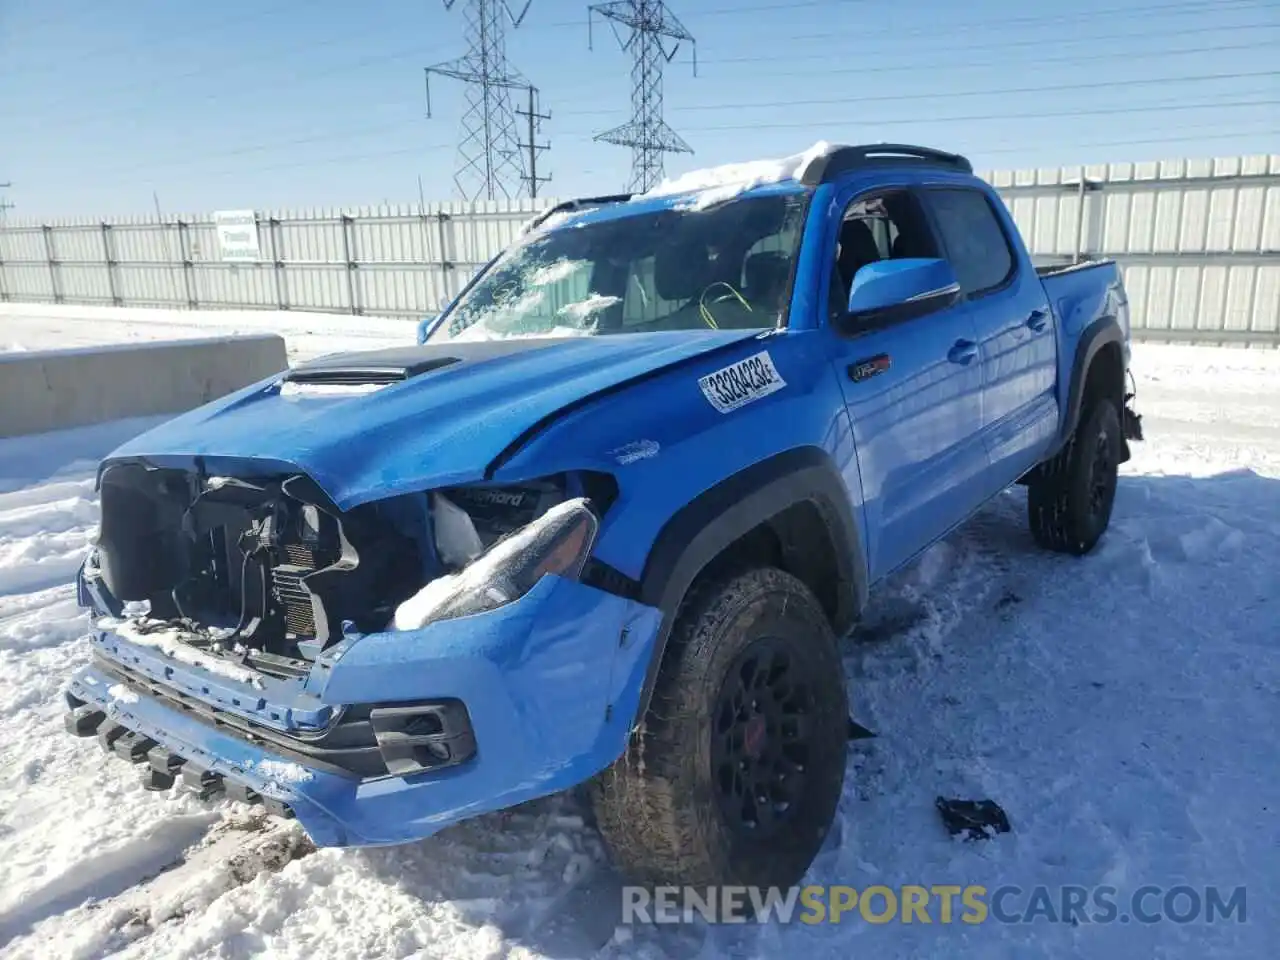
(579, 204)
(843, 159)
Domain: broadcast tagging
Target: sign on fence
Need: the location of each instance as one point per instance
(237, 235)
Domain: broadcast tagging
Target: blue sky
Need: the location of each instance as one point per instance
(274, 104)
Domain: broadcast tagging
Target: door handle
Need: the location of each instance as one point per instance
(1038, 320)
(962, 351)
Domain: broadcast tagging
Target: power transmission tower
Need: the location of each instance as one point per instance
(534, 118)
(653, 39)
(490, 164)
(5, 205)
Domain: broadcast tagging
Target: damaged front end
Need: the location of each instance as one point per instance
(261, 571)
(242, 622)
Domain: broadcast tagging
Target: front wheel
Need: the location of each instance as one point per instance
(1069, 503)
(735, 773)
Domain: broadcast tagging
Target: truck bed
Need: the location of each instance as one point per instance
(1082, 293)
(1056, 269)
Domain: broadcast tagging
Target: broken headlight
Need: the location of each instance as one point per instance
(558, 542)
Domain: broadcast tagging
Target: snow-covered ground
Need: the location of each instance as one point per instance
(29, 326)
(1122, 708)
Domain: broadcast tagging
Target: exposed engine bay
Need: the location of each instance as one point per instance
(268, 572)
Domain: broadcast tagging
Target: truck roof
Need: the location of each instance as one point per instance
(705, 187)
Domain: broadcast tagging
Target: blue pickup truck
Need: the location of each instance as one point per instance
(605, 523)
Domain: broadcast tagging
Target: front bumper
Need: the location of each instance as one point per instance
(551, 684)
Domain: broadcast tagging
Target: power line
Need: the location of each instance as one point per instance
(916, 66)
(999, 148)
(734, 10)
(350, 158)
(949, 94)
(294, 164)
(348, 133)
(651, 26)
(1181, 7)
(114, 51)
(1196, 138)
(57, 20)
(1182, 133)
(921, 63)
(1068, 58)
(898, 67)
(375, 60)
(1007, 44)
(371, 60)
(275, 54)
(1158, 107)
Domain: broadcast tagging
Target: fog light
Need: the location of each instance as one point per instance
(423, 736)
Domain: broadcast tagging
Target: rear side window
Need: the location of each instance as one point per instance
(976, 245)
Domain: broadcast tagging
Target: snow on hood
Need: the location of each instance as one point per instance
(713, 185)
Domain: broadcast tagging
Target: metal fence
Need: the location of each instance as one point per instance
(1198, 240)
(395, 261)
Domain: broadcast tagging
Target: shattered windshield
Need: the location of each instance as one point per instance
(727, 267)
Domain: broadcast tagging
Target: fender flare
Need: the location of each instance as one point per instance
(1097, 335)
(701, 530)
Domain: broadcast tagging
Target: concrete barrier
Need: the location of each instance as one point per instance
(54, 389)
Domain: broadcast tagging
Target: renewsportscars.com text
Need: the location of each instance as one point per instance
(937, 903)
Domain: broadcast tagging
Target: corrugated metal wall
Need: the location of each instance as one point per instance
(1199, 242)
(377, 261)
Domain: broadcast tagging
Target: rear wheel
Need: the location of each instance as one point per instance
(1069, 503)
(735, 773)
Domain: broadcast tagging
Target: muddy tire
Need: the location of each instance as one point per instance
(1069, 502)
(735, 773)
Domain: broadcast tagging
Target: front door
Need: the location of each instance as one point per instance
(913, 391)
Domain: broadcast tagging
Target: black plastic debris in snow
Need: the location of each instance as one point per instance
(977, 819)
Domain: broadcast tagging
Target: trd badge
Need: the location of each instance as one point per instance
(865, 369)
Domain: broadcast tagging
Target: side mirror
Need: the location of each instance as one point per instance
(892, 290)
(423, 326)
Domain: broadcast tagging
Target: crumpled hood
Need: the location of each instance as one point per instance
(448, 411)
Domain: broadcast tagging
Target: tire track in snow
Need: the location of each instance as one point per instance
(20, 574)
(45, 532)
(58, 620)
(47, 517)
(116, 898)
(106, 874)
(16, 606)
(57, 491)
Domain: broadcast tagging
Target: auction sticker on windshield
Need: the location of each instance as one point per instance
(741, 383)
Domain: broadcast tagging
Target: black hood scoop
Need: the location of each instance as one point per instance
(396, 364)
